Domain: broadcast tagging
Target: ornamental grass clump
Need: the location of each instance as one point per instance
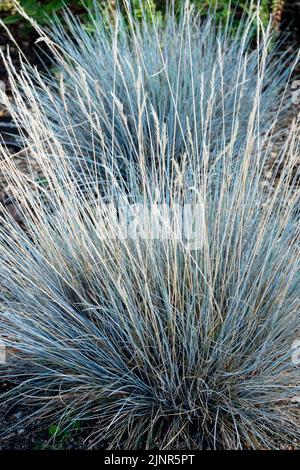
(128, 78)
(179, 336)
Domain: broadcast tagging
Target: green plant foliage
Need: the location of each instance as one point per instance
(41, 11)
(236, 7)
(56, 431)
(61, 435)
(147, 8)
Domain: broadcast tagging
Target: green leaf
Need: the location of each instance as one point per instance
(30, 6)
(52, 7)
(75, 425)
(11, 19)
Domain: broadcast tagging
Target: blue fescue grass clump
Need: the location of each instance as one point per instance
(181, 74)
(155, 342)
